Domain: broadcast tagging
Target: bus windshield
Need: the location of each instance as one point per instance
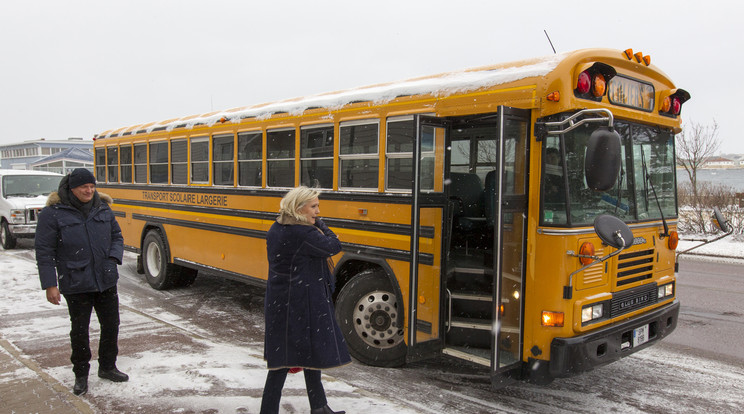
(647, 176)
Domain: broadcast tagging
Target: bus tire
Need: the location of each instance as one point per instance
(371, 320)
(160, 274)
(6, 237)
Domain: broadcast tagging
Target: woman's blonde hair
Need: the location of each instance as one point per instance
(295, 199)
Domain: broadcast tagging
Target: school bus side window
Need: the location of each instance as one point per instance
(250, 154)
(280, 158)
(200, 160)
(316, 156)
(112, 158)
(159, 162)
(359, 160)
(101, 164)
(125, 152)
(399, 170)
(223, 148)
(140, 163)
(179, 162)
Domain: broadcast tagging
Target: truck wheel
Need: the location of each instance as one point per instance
(6, 237)
(159, 273)
(371, 319)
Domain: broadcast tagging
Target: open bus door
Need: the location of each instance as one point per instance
(427, 215)
(510, 222)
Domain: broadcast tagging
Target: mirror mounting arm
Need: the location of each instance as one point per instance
(620, 245)
(721, 222)
(543, 129)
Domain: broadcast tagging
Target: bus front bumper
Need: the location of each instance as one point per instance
(570, 356)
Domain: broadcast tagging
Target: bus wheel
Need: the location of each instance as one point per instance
(372, 322)
(159, 273)
(6, 237)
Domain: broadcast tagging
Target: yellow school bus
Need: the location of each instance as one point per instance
(521, 216)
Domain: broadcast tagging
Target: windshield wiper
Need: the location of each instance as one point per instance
(648, 180)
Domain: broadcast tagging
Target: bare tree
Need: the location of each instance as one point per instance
(695, 145)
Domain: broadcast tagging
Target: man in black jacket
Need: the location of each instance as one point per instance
(78, 247)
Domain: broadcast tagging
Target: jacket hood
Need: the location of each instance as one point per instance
(54, 198)
(286, 219)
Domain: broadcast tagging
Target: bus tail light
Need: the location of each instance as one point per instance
(586, 253)
(673, 240)
(592, 81)
(554, 319)
(671, 102)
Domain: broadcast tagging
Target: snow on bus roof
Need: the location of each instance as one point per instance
(441, 85)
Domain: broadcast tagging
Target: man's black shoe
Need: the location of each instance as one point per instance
(81, 386)
(113, 374)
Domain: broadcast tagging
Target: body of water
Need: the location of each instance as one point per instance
(733, 178)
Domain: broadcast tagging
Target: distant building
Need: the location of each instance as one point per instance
(55, 155)
(720, 162)
(65, 161)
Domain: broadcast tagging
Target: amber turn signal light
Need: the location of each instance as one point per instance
(586, 253)
(673, 240)
(552, 318)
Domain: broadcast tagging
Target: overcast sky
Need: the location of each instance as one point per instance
(76, 68)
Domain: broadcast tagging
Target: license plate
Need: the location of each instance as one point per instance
(640, 335)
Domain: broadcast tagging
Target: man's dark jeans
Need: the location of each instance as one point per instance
(80, 306)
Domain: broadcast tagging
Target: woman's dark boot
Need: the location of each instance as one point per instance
(325, 410)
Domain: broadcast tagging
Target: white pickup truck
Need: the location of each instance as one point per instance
(23, 193)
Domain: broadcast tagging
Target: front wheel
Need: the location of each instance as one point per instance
(368, 312)
(6, 237)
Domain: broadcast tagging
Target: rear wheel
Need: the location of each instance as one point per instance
(371, 319)
(6, 237)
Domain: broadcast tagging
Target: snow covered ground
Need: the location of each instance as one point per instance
(177, 367)
(168, 373)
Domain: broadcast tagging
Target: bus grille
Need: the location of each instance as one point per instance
(632, 299)
(635, 266)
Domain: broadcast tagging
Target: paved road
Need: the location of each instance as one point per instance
(199, 349)
(711, 323)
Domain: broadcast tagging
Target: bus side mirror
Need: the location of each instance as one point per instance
(602, 161)
(613, 231)
(720, 221)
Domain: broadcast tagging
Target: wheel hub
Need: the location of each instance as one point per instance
(376, 320)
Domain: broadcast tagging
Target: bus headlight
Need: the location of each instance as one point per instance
(17, 216)
(666, 290)
(590, 313)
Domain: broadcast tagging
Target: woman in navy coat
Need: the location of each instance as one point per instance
(301, 329)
